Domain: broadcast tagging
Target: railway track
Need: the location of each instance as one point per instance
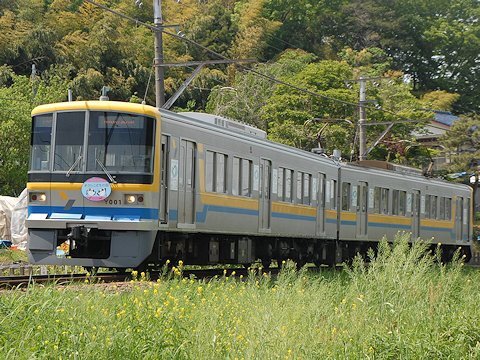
(21, 281)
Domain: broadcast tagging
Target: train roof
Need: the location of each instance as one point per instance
(97, 105)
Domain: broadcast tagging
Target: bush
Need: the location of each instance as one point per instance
(404, 304)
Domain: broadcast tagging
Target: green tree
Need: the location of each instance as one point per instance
(462, 143)
(253, 29)
(439, 100)
(17, 101)
(247, 96)
(462, 147)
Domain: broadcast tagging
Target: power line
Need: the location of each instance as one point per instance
(271, 78)
(280, 82)
(285, 42)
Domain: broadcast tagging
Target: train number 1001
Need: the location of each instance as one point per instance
(113, 202)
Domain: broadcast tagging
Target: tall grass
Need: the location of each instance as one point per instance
(404, 304)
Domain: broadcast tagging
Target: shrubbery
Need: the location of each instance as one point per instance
(404, 304)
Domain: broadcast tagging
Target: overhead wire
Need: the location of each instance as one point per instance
(253, 71)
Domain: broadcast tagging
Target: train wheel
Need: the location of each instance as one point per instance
(91, 270)
(266, 263)
(301, 263)
(467, 252)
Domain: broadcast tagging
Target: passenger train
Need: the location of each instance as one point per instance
(123, 185)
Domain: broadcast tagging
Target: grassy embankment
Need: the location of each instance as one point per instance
(8, 256)
(404, 305)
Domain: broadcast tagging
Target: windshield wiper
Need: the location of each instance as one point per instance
(106, 171)
(73, 166)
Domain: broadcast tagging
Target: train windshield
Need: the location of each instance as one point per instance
(40, 142)
(69, 137)
(120, 142)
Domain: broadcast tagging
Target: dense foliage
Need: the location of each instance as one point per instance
(434, 44)
(405, 304)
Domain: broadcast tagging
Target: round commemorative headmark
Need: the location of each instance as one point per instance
(96, 189)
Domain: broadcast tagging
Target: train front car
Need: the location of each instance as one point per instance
(93, 184)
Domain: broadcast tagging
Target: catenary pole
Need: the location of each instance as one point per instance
(362, 119)
(159, 70)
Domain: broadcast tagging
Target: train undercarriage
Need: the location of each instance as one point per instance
(202, 249)
(146, 249)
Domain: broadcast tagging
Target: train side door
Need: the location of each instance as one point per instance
(459, 219)
(362, 206)
(264, 194)
(321, 205)
(415, 214)
(164, 161)
(186, 184)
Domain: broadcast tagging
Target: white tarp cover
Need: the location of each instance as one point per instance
(19, 231)
(7, 203)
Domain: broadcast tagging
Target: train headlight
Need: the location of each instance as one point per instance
(40, 197)
(134, 199)
(130, 199)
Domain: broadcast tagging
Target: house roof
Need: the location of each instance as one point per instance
(445, 117)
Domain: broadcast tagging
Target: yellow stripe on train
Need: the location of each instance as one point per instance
(43, 186)
(286, 208)
(229, 201)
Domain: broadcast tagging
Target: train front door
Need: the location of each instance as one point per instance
(362, 206)
(321, 205)
(265, 194)
(415, 214)
(186, 184)
(459, 219)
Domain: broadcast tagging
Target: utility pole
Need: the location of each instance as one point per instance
(362, 119)
(158, 62)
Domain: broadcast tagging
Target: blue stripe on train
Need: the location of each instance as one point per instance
(293, 216)
(97, 211)
(201, 216)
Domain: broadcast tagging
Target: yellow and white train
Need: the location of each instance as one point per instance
(124, 185)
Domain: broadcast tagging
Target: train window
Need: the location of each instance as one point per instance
(69, 140)
(236, 176)
(448, 209)
(209, 171)
(287, 184)
(121, 143)
(427, 206)
(221, 173)
(376, 200)
(442, 209)
(433, 207)
(280, 175)
(345, 196)
(384, 201)
(40, 142)
(304, 181)
(402, 203)
(395, 205)
(246, 184)
(299, 186)
(333, 201)
(307, 182)
(216, 172)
